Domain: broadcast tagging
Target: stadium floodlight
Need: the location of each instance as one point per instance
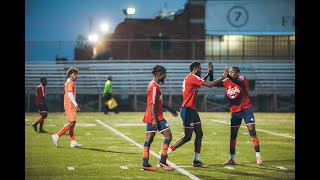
(129, 11)
(93, 37)
(104, 27)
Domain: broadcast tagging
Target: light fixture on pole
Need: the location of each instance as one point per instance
(129, 11)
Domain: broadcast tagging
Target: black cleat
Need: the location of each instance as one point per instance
(34, 127)
(199, 164)
(42, 131)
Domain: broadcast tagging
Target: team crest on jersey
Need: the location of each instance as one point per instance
(232, 93)
(191, 124)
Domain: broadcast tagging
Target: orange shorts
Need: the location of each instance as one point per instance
(71, 114)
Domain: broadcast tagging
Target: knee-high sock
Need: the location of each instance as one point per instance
(63, 130)
(255, 140)
(165, 146)
(146, 149)
(72, 135)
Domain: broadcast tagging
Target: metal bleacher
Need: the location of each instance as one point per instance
(132, 77)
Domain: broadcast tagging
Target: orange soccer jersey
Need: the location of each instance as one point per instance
(69, 86)
(69, 108)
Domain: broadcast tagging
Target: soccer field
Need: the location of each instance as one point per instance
(112, 148)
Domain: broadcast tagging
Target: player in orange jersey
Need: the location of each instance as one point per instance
(154, 119)
(41, 105)
(70, 107)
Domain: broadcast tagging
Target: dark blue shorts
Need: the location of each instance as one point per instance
(162, 126)
(246, 114)
(189, 117)
(42, 107)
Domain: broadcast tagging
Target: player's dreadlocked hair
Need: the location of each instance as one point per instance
(72, 70)
(193, 65)
(157, 68)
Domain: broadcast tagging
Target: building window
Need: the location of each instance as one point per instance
(241, 47)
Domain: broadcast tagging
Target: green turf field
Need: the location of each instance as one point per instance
(112, 148)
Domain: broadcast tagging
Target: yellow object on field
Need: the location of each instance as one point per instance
(112, 103)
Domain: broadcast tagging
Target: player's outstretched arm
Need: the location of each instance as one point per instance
(172, 111)
(217, 81)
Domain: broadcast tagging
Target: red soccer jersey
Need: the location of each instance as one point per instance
(190, 87)
(154, 97)
(238, 97)
(69, 86)
(40, 94)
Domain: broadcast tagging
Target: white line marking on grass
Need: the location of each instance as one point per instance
(277, 134)
(124, 167)
(229, 167)
(282, 168)
(191, 176)
(141, 124)
(70, 168)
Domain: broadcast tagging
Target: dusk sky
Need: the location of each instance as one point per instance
(64, 20)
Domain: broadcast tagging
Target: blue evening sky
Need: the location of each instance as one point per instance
(64, 20)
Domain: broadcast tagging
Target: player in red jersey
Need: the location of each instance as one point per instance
(240, 107)
(154, 119)
(188, 112)
(41, 105)
(70, 107)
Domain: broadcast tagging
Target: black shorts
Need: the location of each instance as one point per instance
(189, 117)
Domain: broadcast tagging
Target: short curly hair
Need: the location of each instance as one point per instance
(157, 68)
(72, 70)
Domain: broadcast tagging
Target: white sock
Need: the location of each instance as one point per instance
(258, 154)
(231, 156)
(169, 150)
(196, 156)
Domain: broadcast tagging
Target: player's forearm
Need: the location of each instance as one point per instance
(70, 95)
(236, 81)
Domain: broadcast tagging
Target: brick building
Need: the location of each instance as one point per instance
(177, 36)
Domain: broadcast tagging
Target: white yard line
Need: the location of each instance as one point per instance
(277, 134)
(191, 176)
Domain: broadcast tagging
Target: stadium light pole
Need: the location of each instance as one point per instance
(129, 11)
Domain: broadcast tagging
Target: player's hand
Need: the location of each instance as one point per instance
(225, 72)
(154, 124)
(210, 67)
(174, 113)
(64, 113)
(78, 109)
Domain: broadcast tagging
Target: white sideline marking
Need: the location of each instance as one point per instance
(124, 167)
(191, 176)
(141, 124)
(277, 134)
(70, 168)
(229, 167)
(282, 168)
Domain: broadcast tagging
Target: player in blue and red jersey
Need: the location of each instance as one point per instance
(188, 112)
(154, 119)
(240, 107)
(41, 105)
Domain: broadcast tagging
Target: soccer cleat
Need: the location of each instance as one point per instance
(199, 164)
(230, 162)
(75, 144)
(55, 139)
(148, 168)
(259, 161)
(42, 131)
(165, 166)
(34, 127)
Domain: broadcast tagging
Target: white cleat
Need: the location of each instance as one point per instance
(55, 139)
(75, 144)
